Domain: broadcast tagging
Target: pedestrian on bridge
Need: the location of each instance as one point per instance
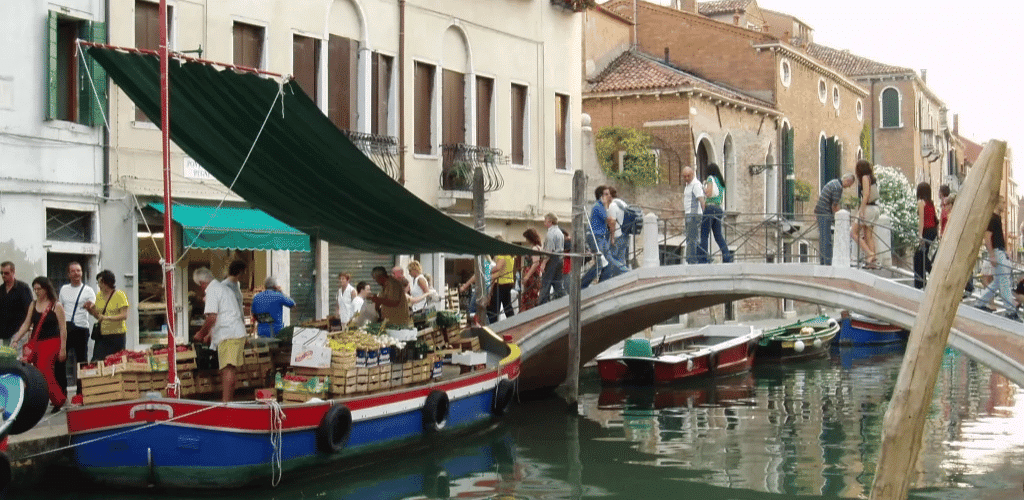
(927, 231)
(996, 245)
(693, 207)
(863, 231)
(711, 223)
(825, 211)
(552, 274)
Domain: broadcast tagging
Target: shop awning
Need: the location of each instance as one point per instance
(302, 170)
(235, 228)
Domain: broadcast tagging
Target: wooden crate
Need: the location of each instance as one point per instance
(301, 397)
(114, 388)
(95, 371)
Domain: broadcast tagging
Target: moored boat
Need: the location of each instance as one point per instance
(804, 339)
(713, 349)
(857, 329)
(189, 443)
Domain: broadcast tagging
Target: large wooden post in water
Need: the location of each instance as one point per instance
(480, 223)
(572, 379)
(904, 420)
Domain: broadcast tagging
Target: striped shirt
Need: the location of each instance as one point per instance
(830, 195)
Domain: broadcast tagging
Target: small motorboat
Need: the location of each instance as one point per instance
(805, 339)
(857, 329)
(713, 349)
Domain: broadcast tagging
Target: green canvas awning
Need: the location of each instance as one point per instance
(302, 170)
(234, 228)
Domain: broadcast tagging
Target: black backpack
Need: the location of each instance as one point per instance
(633, 220)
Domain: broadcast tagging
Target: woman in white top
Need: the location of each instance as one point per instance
(419, 289)
(365, 311)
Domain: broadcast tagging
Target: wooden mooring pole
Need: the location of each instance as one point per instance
(904, 420)
(572, 379)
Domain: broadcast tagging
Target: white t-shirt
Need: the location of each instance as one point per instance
(692, 194)
(617, 209)
(220, 300)
(345, 303)
(68, 296)
(419, 289)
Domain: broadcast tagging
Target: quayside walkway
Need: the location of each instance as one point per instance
(617, 308)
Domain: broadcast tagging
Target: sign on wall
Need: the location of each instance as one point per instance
(193, 170)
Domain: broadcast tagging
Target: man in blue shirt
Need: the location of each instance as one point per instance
(268, 308)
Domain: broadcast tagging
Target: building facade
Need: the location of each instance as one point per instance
(427, 89)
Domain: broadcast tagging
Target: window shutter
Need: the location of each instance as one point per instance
(823, 164)
(890, 108)
(51, 66)
(789, 201)
(93, 88)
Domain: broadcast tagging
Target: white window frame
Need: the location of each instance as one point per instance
(569, 167)
(836, 98)
(527, 119)
(785, 72)
(860, 110)
(822, 90)
(899, 107)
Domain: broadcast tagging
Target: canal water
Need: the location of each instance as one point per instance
(810, 430)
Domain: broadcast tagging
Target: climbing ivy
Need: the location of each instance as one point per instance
(898, 201)
(640, 166)
(865, 140)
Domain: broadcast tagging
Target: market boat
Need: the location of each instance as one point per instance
(334, 192)
(713, 349)
(191, 443)
(805, 339)
(857, 329)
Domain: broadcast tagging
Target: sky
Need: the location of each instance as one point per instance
(973, 53)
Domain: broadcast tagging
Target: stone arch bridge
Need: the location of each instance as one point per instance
(617, 308)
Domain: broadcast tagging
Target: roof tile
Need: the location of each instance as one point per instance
(852, 65)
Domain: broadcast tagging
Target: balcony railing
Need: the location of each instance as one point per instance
(574, 5)
(460, 160)
(382, 150)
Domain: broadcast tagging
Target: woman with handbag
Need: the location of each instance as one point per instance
(48, 343)
(111, 310)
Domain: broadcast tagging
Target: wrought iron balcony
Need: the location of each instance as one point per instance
(460, 160)
(381, 149)
(574, 5)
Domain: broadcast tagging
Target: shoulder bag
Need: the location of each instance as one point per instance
(97, 329)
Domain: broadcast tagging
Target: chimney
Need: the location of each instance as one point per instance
(924, 76)
(785, 36)
(956, 124)
(766, 27)
(736, 18)
(666, 56)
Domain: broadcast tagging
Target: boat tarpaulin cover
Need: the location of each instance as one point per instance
(231, 228)
(302, 170)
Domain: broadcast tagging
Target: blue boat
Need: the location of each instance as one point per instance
(857, 329)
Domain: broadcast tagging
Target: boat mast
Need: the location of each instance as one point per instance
(165, 142)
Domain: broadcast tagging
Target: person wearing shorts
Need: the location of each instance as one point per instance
(223, 329)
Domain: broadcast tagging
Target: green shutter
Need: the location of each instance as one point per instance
(890, 108)
(788, 170)
(51, 66)
(831, 159)
(93, 80)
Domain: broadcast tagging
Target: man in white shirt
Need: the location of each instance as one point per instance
(346, 293)
(693, 207)
(73, 297)
(223, 328)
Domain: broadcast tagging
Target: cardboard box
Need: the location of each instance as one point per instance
(309, 348)
(469, 358)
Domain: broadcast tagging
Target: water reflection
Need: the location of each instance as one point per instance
(815, 428)
(810, 430)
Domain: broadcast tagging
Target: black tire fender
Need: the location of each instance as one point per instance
(34, 398)
(435, 411)
(503, 394)
(334, 430)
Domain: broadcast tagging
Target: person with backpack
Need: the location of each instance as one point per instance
(711, 224)
(620, 248)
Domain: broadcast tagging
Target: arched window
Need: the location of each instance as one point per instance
(891, 108)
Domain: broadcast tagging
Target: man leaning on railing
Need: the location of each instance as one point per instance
(825, 210)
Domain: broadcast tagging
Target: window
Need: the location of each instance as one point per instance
(484, 111)
(830, 155)
(147, 34)
(248, 45)
(424, 107)
(68, 225)
(860, 110)
(305, 64)
(453, 107)
(784, 73)
(822, 90)
(519, 124)
(380, 94)
(561, 134)
(835, 96)
(891, 108)
(76, 87)
(341, 81)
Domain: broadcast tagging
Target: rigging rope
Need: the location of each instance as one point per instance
(276, 423)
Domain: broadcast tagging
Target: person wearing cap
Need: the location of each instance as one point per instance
(268, 308)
